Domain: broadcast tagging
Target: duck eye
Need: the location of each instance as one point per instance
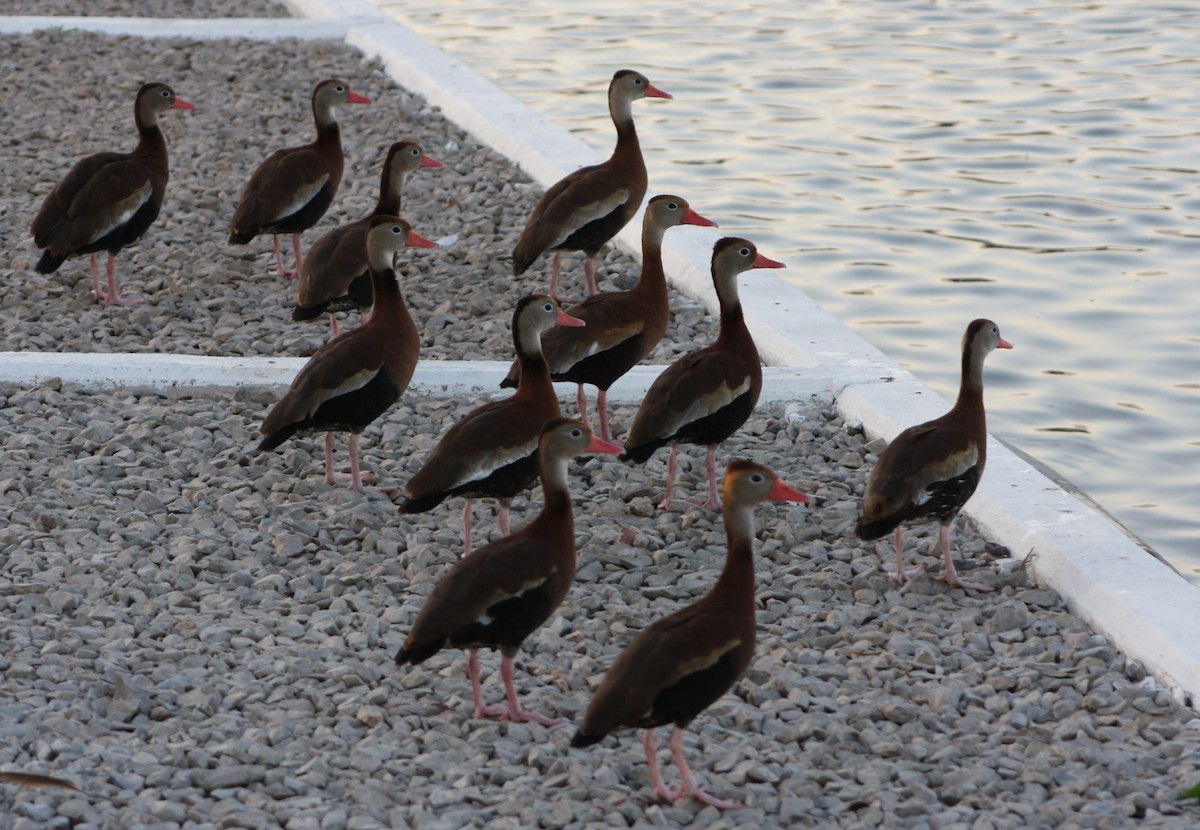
(757, 478)
(745, 252)
(672, 206)
(415, 151)
(548, 307)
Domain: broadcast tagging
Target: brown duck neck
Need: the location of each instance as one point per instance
(391, 185)
(628, 150)
(535, 373)
(652, 283)
(970, 389)
(557, 516)
(735, 587)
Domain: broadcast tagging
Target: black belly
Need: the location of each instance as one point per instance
(715, 428)
(688, 697)
(127, 233)
(504, 482)
(603, 369)
(592, 236)
(511, 622)
(305, 217)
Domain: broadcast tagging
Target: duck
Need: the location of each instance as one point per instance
(109, 200)
(291, 190)
(492, 451)
(357, 376)
(588, 207)
(623, 327)
(503, 591)
(706, 395)
(681, 664)
(334, 276)
(929, 471)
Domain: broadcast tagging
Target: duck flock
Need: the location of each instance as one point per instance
(501, 592)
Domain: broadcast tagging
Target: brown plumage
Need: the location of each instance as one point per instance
(492, 451)
(334, 276)
(356, 377)
(930, 470)
(108, 200)
(681, 664)
(585, 209)
(706, 395)
(505, 590)
(623, 327)
(292, 189)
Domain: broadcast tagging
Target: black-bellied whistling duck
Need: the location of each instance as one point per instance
(681, 664)
(704, 396)
(493, 450)
(334, 276)
(501, 593)
(292, 189)
(623, 327)
(108, 200)
(585, 209)
(930, 470)
(354, 378)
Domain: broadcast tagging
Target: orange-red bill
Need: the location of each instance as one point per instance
(761, 261)
(426, 161)
(564, 319)
(599, 445)
(654, 92)
(690, 217)
(782, 492)
(415, 240)
(354, 98)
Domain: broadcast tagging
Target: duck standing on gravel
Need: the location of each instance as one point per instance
(335, 276)
(680, 665)
(493, 451)
(291, 190)
(108, 200)
(930, 470)
(706, 395)
(623, 327)
(585, 209)
(505, 590)
(354, 378)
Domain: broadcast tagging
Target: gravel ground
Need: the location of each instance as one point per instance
(207, 297)
(139, 8)
(201, 636)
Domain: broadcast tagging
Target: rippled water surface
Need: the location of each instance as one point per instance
(919, 164)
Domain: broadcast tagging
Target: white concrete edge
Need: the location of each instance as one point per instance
(440, 378)
(1144, 607)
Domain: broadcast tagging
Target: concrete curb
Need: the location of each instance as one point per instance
(1143, 606)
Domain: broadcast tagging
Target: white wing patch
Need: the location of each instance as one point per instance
(708, 404)
(487, 463)
(356, 381)
(125, 209)
(301, 197)
(591, 212)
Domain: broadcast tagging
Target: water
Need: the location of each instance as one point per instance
(919, 164)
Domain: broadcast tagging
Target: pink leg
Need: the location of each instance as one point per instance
(602, 410)
(299, 259)
(115, 297)
(710, 464)
(589, 271)
(467, 527)
(554, 266)
(665, 504)
(354, 481)
(581, 402)
(279, 269)
(330, 477)
(513, 711)
(950, 577)
(902, 575)
(689, 781)
(333, 325)
(661, 791)
(97, 291)
(504, 517)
